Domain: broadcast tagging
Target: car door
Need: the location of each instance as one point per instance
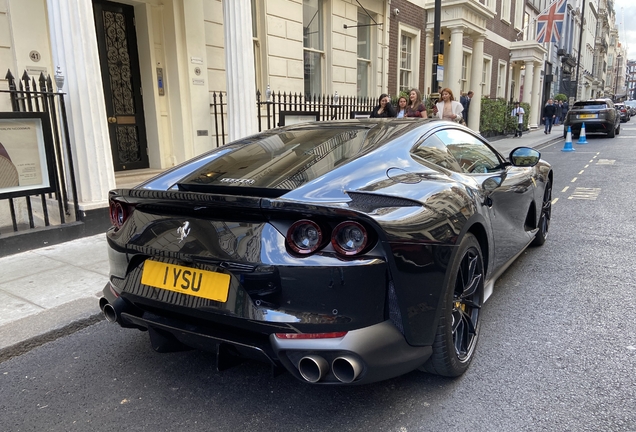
(507, 196)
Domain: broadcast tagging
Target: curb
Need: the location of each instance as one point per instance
(21, 336)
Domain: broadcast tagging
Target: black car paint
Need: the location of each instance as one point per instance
(272, 290)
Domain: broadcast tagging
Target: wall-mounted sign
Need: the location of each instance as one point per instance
(196, 60)
(26, 154)
(440, 73)
(35, 56)
(198, 81)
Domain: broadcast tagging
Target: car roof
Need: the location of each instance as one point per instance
(581, 103)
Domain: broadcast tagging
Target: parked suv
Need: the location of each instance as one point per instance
(599, 115)
(624, 111)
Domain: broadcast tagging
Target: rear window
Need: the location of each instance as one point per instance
(590, 105)
(282, 161)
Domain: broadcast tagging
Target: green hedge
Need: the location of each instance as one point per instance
(495, 117)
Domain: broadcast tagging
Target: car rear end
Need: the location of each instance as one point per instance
(624, 112)
(226, 263)
(598, 116)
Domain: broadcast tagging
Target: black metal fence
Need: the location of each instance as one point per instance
(47, 209)
(272, 107)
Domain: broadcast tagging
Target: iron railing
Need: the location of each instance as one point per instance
(272, 106)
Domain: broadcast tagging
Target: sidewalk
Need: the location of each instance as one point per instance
(49, 292)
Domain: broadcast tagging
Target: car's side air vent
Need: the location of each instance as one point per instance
(369, 202)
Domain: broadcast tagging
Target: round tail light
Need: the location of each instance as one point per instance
(119, 212)
(304, 237)
(349, 238)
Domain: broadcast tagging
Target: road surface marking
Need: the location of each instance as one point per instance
(573, 180)
(586, 166)
(605, 162)
(565, 188)
(554, 201)
(585, 193)
(581, 172)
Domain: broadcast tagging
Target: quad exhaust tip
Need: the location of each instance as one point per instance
(346, 369)
(313, 368)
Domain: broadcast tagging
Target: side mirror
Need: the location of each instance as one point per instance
(524, 157)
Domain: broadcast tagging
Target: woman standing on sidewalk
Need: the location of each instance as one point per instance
(415, 108)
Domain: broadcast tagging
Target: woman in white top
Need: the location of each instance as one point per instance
(401, 111)
(448, 108)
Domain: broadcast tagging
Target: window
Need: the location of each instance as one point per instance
(472, 155)
(407, 55)
(313, 46)
(256, 45)
(501, 80)
(519, 14)
(485, 77)
(406, 63)
(364, 54)
(505, 11)
(526, 26)
(463, 83)
(434, 151)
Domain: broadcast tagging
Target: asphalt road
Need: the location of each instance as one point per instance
(557, 349)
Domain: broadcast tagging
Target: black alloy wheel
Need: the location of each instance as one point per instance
(458, 327)
(544, 219)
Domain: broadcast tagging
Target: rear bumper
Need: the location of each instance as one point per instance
(379, 351)
(591, 126)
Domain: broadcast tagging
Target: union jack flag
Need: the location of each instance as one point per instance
(550, 22)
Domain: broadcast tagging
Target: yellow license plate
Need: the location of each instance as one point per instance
(185, 280)
(587, 116)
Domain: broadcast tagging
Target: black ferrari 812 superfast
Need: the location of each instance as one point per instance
(345, 252)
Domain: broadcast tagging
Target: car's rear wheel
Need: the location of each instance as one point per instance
(612, 132)
(618, 129)
(458, 327)
(544, 219)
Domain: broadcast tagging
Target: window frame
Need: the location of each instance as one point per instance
(416, 38)
(312, 50)
(501, 79)
(364, 26)
(500, 161)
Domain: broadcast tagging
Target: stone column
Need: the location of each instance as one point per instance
(74, 46)
(239, 69)
(535, 104)
(428, 63)
(528, 79)
(453, 71)
(476, 72)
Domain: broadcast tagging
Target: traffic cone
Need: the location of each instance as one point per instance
(568, 142)
(582, 139)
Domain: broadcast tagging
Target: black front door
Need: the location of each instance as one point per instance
(117, 42)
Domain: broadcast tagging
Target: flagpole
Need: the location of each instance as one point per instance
(578, 61)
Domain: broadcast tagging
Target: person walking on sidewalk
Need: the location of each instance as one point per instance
(564, 110)
(518, 112)
(549, 114)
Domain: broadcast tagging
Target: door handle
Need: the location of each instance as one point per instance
(112, 119)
